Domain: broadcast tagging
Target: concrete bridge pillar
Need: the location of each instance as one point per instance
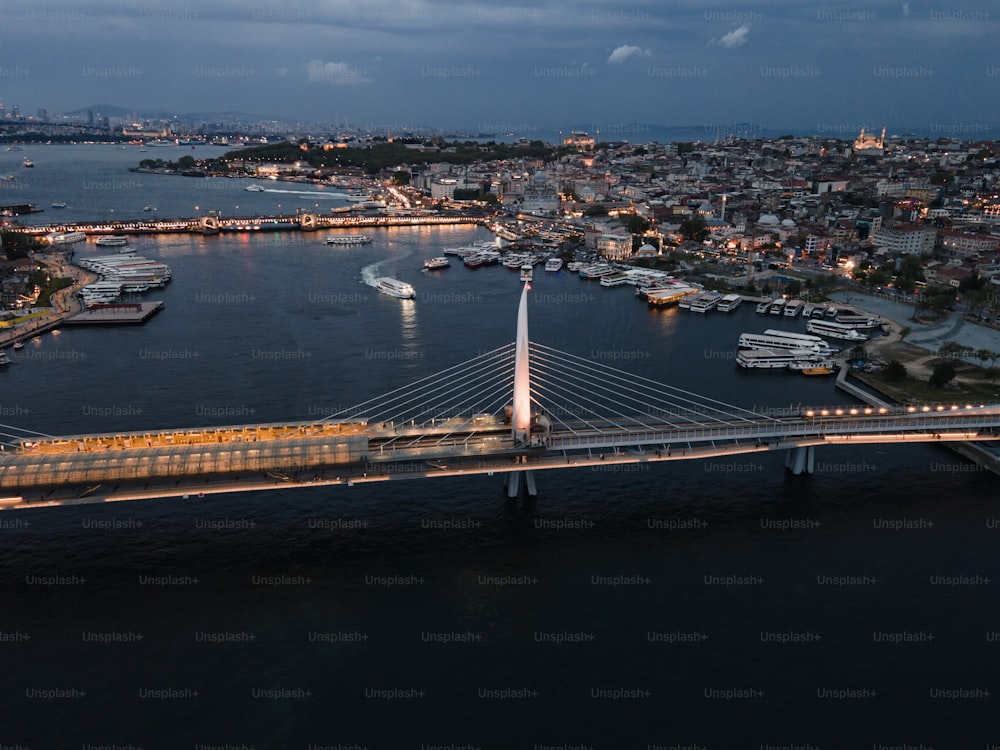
(513, 483)
(800, 460)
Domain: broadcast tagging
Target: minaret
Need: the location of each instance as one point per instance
(722, 215)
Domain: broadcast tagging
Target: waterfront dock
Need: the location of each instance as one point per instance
(117, 313)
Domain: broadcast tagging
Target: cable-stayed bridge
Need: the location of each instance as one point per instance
(521, 408)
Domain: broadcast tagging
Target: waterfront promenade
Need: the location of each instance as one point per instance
(65, 303)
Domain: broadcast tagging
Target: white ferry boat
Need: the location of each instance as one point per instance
(793, 308)
(526, 272)
(433, 264)
(254, 188)
(66, 238)
(772, 339)
(770, 359)
(614, 279)
(113, 241)
(729, 303)
(705, 302)
(818, 311)
(349, 239)
(856, 321)
(553, 264)
(764, 306)
(395, 288)
(808, 310)
(777, 307)
(4, 359)
(834, 330)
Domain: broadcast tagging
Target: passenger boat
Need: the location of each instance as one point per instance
(395, 288)
(856, 321)
(59, 204)
(772, 339)
(526, 272)
(18, 344)
(474, 260)
(770, 359)
(832, 329)
(705, 302)
(349, 239)
(729, 303)
(4, 359)
(778, 306)
(614, 279)
(763, 307)
(433, 264)
(113, 241)
(793, 308)
(553, 264)
(27, 162)
(254, 188)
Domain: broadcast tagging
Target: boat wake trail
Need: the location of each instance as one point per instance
(314, 193)
(371, 272)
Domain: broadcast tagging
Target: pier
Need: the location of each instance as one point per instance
(212, 224)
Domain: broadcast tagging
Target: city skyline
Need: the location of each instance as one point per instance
(832, 68)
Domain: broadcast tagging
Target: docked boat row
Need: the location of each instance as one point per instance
(122, 273)
(775, 349)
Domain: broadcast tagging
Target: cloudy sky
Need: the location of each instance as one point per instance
(533, 67)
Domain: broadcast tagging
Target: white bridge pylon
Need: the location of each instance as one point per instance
(532, 391)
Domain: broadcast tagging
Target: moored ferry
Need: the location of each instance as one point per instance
(772, 339)
(778, 306)
(349, 239)
(116, 240)
(553, 264)
(794, 307)
(705, 302)
(729, 303)
(771, 359)
(395, 287)
(764, 306)
(832, 329)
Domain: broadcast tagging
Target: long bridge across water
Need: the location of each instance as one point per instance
(211, 224)
(521, 408)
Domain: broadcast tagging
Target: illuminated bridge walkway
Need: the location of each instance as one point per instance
(492, 414)
(217, 224)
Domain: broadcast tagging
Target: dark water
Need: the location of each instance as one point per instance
(392, 616)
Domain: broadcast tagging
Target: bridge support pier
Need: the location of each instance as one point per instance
(801, 460)
(513, 483)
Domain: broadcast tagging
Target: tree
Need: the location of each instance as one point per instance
(598, 209)
(895, 371)
(401, 177)
(982, 355)
(794, 287)
(694, 228)
(634, 223)
(944, 373)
